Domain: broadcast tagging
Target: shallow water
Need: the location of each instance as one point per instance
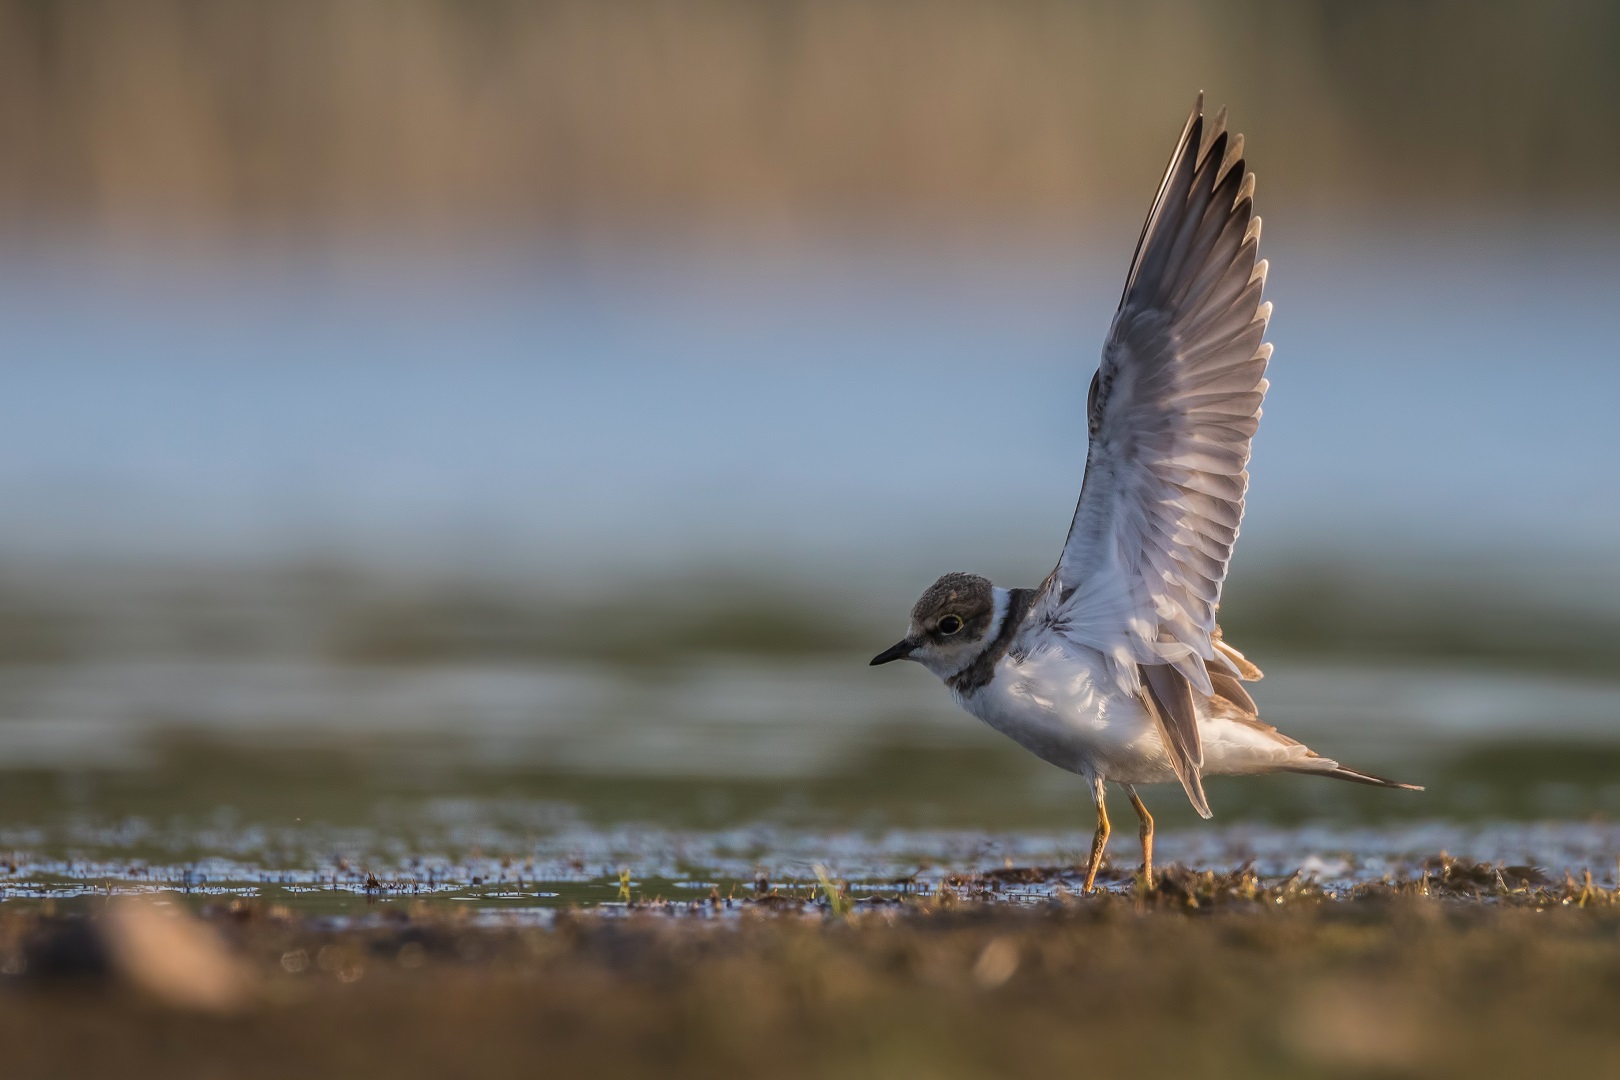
(506, 872)
(520, 788)
(648, 404)
(715, 716)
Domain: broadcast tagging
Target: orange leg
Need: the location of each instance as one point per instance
(1099, 840)
(1146, 833)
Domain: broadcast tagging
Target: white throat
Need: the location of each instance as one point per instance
(998, 614)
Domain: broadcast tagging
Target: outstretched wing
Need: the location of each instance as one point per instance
(1171, 412)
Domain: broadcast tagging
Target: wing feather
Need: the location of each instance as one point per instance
(1171, 413)
(1228, 687)
(1168, 696)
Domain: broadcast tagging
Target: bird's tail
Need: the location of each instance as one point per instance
(1328, 767)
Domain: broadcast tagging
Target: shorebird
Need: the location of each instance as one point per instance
(1114, 668)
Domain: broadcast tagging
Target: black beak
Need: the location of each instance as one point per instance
(898, 651)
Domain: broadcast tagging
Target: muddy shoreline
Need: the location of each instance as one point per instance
(1468, 969)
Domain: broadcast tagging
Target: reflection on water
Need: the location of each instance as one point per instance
(714, 717)
(716, 742)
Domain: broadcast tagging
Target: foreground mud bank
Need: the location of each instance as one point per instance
(1469, 969)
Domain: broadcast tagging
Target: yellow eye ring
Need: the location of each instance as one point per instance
(950, 624)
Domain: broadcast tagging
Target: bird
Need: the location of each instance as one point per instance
(1114, 667)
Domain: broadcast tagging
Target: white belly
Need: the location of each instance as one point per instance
(1063, 707)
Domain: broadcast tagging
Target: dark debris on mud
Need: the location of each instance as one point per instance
(1177, 887)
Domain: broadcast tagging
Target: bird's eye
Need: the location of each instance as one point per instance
(950, 624)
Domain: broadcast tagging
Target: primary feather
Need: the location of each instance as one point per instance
(1171, 412)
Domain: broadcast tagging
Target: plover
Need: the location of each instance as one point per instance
(1114, 668)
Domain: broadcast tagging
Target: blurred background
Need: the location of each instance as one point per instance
(470, 407)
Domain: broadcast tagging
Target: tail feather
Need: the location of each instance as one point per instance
(1356, 776)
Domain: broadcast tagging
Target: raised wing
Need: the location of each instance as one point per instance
(1171, 412)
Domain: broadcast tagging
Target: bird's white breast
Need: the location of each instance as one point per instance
(1059, 702)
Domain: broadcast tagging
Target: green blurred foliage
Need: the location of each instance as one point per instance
(347, 614)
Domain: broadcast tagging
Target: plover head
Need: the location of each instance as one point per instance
(950, 625)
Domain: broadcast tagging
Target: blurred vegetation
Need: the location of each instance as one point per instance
(1486, 617)
(899, 779)
(348, 614)
(658, 626)
(571, 113)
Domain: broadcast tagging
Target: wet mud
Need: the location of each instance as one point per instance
(1465, 969)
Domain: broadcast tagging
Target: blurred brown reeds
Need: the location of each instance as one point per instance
(569, 113)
